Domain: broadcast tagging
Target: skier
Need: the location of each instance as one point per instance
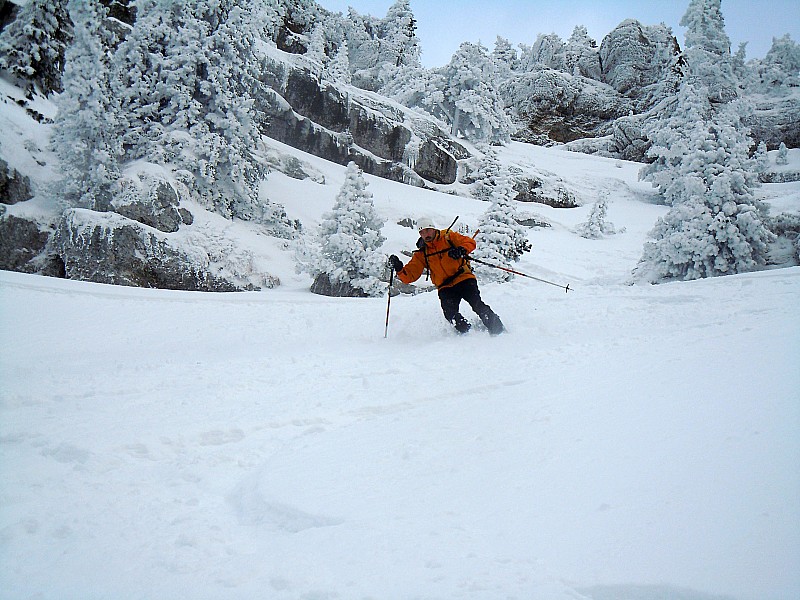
(443, 253)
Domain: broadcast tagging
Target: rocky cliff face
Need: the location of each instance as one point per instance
(776, 120)
(557, 107)
(342, 123)
(636, 61)
(634, 74)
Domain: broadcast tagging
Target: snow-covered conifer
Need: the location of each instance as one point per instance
(185, 77)
(362, 42)
(339, 66)
(504, 58)
(581, 56)
(486, 175)
(471, 97)
(315, 53)
(502, 239)
(33, 46)
(345, 245)
(547, 51)
(703, 169)
(415, 87)
(399, 42)
(86, 131)
(596, 226)
(761, 157)
(708, 50)
(783, 155)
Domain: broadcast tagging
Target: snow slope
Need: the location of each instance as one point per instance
(634, 442)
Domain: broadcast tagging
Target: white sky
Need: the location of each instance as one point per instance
(444, 24)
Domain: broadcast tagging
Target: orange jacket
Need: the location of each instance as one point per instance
(444, 271)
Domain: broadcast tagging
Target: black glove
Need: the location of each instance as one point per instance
(457, 252)
(420, 243)
(396, 263)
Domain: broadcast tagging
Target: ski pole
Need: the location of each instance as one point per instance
(483, 262)
(388, 304)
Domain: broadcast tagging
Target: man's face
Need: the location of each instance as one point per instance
(428, 234)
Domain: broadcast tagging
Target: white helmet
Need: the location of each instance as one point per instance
(425, 223)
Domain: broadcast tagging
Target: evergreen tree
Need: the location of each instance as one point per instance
(783, 155)
(33, 46)
(362, 42)
(504, 58)
(715, 226)
(399, 43)
(761, 157)
(339, 67)
(708, 50)
(547, 51)
(597, 226)
(486, 175)
(86, 132)
(471, 97)
(345, 246)
(415, 87)
(502, 239)
(315, 53)
(779, 72)
(185, 77)
(581, 56)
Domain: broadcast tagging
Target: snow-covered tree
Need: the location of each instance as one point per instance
(471, 97)
(86, 131)
(504, 58)
(581, 56)
(703, 169)
(362, 41)
(486, 175)
(185, 77)
(783, 155)
(345, 246)
(415, 87)
(375, 44)
(33, 46)
(596, 226)
(547, 51)
(761, 157)
(708, 50)
(315, 53)
(338, 68)
(780, 69)
(399, 42)
(502, 239)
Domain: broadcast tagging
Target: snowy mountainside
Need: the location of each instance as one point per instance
(273, 444)
(626, 441)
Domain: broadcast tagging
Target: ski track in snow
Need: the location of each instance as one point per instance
(274, 445)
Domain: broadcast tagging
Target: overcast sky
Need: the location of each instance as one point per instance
(444, 24)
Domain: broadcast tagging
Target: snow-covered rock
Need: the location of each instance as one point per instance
(775, 120)
(14, 187)
(106, 247)
(635, 57)
(342, 123)
(556, 106)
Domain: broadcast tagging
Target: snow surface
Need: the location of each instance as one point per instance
(620, 441)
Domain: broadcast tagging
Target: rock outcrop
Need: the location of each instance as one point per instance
(775, 120)
(636, 61)
(105, 247)
(21, 242)
(342, 124)
(14, 187)
(557, 107)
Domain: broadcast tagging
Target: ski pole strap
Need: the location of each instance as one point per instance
(566, 288)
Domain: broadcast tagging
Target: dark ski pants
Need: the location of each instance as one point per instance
(451, 298)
